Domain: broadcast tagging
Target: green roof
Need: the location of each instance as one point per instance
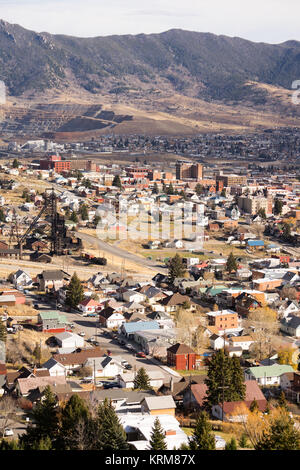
(52, 315)
(269, 371)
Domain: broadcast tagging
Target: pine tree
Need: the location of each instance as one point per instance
(218, 379)
(253, 406)
(142, 381)
(231, 264)
(176, 268)
(243, 441)
(199, 189)
(231, 445)
(157, 441)
(3, 332)
(75, 292)
(15, 163)
(155, 189)
(237, 383)
(202, 438)
(278, 204)
(84, 212)
(117, 182)
(74, 412)
(282, 435)
(110, 433)
(74, 217)
(45, 416)
(282, 401)
(2, 215)
(170, 189)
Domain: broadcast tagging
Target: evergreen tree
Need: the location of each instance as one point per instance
(96, 220)
(110, 433)
(117, 182)
(218, 379)
(278, 204)
(155, 189)
(176, 268)
(254, 406)
(45, 416)
(199, 189)
(170, 189)
(75, 292)
(74, 412)
(157, 441)
(231, 264)
(2, 215)
(237, 383)
(282, 435)
(74, 217)
(15, 163)
(202, 438)
(3, 332)
(84, 212)
(282, 401)
(142, 381)
(262, 213)
(231, 445)
(243, 441)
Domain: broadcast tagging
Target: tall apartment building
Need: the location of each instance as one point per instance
(230, 180)
(252, 204)
(185, 170)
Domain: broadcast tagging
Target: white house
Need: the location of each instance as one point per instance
(126, 379)
(142, 424)
(67, 340)
(133, 296)
(243, 342)
(291, 325)
(21, 279)
(217, 342)
(88, 306)
(106, 366)
(267, 375)
(55, 368)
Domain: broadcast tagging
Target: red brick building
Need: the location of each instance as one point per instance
(54, 162)
(181, 357)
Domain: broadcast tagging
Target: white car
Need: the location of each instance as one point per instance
(82, 333)
(8, 432)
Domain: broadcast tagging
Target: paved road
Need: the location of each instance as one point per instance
(119, 252)
(90, 326)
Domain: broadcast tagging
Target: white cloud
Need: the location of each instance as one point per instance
(259, 20)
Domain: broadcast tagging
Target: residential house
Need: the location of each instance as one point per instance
(160, 405)
(267, 375)
(21, 279)
(138, 428)
(290, 325)
(52, 322)
(156, 379)
(181, 356)
(52, 280)
(110, 318)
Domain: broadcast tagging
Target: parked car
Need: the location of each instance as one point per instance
(141, 354)
(128, 367)
(111, 385)
(129, 346)
(91, 315)
(91, 339)
(82, 333)
(96, 343)
(8, 432)
(36, 306)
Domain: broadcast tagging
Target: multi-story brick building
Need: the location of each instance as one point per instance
(54, 162)
(185, 170)
(223, 319)
(181, 357)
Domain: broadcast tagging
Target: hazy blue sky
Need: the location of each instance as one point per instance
(259, 20)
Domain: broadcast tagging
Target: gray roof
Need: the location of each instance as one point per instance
(163, 402)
